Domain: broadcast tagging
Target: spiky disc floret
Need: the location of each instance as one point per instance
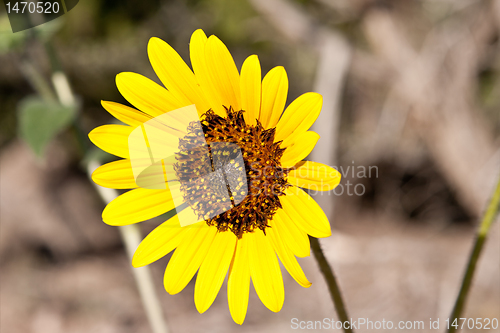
(266, 179)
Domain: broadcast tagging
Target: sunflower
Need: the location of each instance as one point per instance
(273, 217)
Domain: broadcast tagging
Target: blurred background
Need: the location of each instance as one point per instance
(412, 97)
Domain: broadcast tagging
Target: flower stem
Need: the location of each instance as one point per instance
(331, 281)
(482, 232)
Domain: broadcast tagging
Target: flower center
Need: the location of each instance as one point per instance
(237, 184)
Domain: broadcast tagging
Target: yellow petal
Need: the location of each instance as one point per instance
(112, 139)
(188, 256)
(117, 174)
(302, 147)
(146, 95)
(126, 114)
(298, 118)
(176, 75)
(307, 214)
(238, 282)
(314, 176)
(274, 93)
(137, 205)
(159, 242)
(251, 89)
(213, 270)
(265, 271)
(224, 76)
(295, 239)
(286, 256)
(199, 63)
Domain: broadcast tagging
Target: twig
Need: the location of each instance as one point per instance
(484, 227)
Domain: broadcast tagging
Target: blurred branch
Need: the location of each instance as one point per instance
(287, 19)
(131, 236)
(433, 95)
(59, 78)
(334, 59)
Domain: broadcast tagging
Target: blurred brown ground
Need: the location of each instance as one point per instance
(419, 98)
(62, 270)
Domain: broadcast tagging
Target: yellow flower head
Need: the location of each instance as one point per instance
(266, 213)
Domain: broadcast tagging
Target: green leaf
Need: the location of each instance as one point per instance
(40, 121)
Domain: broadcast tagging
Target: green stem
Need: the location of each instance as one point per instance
(331, 281)
(37, 81)
(484, 227)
